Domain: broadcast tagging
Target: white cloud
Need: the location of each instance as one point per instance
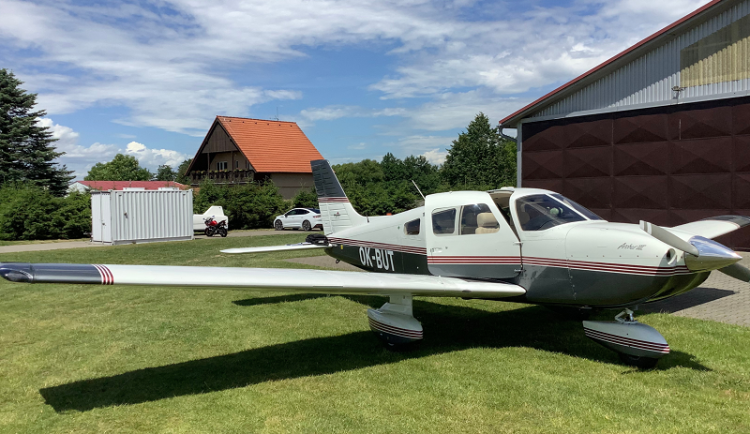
(435, 156)
(169, 63)
(80, 159)
(357, 146)
(155, 157)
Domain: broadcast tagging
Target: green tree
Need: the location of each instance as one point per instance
(165, 173)
(182, 177)
(30, 212)
(480, 158)
(26, 150)
(121, 168)
(305, 198)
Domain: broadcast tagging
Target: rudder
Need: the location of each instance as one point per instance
(336, 211)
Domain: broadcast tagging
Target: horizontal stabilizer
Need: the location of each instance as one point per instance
(320, 281)
(299, 246)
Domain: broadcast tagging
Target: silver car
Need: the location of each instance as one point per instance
(299, 218)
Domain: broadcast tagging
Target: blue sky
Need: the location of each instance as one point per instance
(361, 77)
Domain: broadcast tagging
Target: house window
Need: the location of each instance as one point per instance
(221, 165)
(237, 164)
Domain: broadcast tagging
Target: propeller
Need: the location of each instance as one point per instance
(702, 254)
(669, 238)
(737, 271)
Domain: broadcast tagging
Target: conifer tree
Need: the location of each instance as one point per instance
(480, 158)
(27, 153)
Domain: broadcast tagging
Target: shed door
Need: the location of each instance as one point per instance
(106, 217)
(470, 240)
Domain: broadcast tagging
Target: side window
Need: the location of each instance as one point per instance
(444, 222)
(291, 213)
(412, 227)
(478, 219)
(302, 211)
(221, 165)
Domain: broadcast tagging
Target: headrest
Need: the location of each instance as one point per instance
(486, 220)
(523, 217)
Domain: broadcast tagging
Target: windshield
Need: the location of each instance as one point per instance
(538, 212)
(577, 206)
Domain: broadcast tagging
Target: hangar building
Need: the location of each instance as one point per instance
(659, 132)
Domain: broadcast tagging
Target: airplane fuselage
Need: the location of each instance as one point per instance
(583, 263)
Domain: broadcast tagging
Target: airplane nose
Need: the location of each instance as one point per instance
(711, 255)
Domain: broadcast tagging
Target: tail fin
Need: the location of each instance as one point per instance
(335, 209)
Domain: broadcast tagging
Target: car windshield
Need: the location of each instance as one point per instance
(538, 212)
(315, 210)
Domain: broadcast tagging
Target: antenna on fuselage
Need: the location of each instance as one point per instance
(417, 187)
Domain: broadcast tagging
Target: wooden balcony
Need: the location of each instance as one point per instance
(237, 176)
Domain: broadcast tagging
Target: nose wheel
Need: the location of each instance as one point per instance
(637, 344)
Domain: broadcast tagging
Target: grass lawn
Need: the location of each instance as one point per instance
(95, 359)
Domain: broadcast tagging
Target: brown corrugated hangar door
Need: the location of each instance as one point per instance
(668, 165)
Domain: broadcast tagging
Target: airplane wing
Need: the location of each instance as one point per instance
(322, 281)
(713, 227)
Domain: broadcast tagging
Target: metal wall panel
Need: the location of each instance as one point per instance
(649, 79)
(145, 216)
(668, 165)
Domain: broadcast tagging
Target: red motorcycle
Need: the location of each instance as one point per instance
(213, 227)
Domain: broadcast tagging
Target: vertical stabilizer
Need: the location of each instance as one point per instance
(335, 209)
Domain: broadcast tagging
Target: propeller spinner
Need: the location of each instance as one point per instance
(702, 254)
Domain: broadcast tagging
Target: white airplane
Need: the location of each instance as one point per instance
(513, 244)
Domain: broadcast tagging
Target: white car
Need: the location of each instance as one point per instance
(299, 218)
(199, 220)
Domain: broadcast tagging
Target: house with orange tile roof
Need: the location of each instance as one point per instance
(241, 150)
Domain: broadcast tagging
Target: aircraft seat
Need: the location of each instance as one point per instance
(487, 223)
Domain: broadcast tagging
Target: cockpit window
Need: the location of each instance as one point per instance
(578, 207)
(540, 211)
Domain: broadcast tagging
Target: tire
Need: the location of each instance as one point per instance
(223, 232)
(208, 232)
(638, 362)
(306, 226)
(278, 225)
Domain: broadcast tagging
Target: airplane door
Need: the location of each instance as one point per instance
(467, 236)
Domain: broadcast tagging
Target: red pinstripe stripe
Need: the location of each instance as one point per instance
(109, 273)
(411, 334)
(381, 246)
(622, 340)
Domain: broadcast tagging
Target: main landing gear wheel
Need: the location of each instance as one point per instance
(637, 344)
(306, 226)
(638, 361)
(394, 324)
(278, 225)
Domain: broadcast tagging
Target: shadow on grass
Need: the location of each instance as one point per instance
(447, 329)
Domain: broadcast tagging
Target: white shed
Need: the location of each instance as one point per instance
(141, 216)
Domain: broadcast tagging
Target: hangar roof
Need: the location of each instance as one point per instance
(620, 60)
